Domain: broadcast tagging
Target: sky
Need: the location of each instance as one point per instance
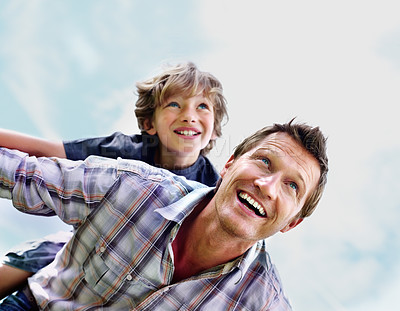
(68, 70)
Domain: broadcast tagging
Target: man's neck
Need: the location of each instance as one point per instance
(200, 244)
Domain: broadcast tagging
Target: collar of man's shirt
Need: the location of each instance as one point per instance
(179, 210)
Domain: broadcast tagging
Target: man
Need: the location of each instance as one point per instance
(146, 239)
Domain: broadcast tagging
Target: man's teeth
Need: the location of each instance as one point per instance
(187, 133)
(252, 202)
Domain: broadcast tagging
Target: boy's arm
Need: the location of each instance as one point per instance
(32, 145)
(11, 279)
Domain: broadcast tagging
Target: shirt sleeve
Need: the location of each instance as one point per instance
(52, 186)
(112, 146)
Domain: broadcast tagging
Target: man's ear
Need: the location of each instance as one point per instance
(292, 224)
(149, 127)
(227, 165)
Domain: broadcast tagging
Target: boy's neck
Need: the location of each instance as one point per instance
(172, 160)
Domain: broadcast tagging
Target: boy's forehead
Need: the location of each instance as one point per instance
(184, 96)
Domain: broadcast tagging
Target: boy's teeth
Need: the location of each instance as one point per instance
(253, 203)
(187, 133)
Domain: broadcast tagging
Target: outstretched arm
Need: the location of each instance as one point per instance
(11, 278)
(32, 145)
(37, 184)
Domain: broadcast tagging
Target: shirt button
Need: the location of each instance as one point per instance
(102, 249)
(129, 277)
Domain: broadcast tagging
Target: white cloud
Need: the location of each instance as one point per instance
(124, 101)
(24, 74)
(84, 53)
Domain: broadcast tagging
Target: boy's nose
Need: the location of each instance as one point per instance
(188, 115)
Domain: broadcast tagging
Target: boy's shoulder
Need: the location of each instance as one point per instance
(201, 171)
(118, 144)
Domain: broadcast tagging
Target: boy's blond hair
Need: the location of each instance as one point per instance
(185, 79)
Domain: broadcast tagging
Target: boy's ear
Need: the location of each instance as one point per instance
(149, 128)
(214, 136)
(227, 165)
(292, 224)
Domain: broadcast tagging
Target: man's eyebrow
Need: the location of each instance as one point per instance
(298, 176)
(269, 150)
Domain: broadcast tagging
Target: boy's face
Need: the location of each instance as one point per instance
(184, 125)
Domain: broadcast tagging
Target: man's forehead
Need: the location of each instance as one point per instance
(280, 144)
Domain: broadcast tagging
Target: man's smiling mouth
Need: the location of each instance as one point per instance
(251, 204)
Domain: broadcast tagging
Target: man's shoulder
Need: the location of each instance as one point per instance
(261, 268)
(259, 261)
(154, 173)
(258, 255)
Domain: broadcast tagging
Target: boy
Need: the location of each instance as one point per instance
(179, 113)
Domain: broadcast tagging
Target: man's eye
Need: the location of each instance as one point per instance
(173, 104)
(202, 106)
(294, 186)
(266, 161)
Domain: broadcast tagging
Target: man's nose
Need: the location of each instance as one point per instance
(269, 185)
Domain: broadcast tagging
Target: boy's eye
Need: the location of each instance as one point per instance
(202, 106)
(173, 104)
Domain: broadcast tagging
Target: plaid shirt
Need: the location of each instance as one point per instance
(125, 215)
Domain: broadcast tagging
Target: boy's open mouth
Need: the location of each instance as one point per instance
(252, 204)
(187, 133)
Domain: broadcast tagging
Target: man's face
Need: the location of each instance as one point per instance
(263, 190)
